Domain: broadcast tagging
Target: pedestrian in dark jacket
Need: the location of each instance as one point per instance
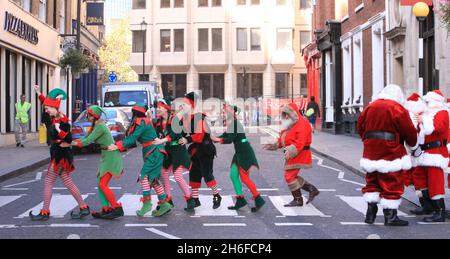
(312, 118)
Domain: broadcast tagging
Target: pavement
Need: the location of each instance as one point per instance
(337, 213)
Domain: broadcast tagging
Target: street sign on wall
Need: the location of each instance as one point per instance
(413, 2)
(95, 13)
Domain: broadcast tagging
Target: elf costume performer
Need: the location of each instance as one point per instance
(110, 163)
(142, 130)
(295, 139)
(243, 160)
(177, 159)
(61, 156)
(202, 151)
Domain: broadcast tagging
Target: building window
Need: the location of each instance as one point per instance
(203, 40)
(138, 4)
(216, 3)
(284, 39)
(178, 4)
(250, 85)
(212, 86)
(281, 85)
(281, 2)
(143, 77)
(173, 85)
(305, 4)
(178, 40)
(138, 41)
(241, 2)
(26, 4)
(202, 3)
(216, 39)
(62, 16)
(165, 40)
(256, 2)
(165, 3)
(255, 39)
(241, 39)
(305, 38)
(43, 10)
(304, 85)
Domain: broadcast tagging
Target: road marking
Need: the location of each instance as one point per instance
(60, 206)
(132, 203)
(208, 189)
(38, 178)
(373, 236)
(280, 216)
(62, 226)
(433, 223)
(81, 159)
(306, 210)
(207, 210)
(239, 216)
(358, 203)
(224, 224)
(158, 232)
(145, 225)
(196, 216)
(112, 188)
(327, 190)
(359, 224)
(15, 189)
(8, 226)
(8, 199)
(348, 181)
(293, 224)
(341, 175)
(73, 236)
(269, 190)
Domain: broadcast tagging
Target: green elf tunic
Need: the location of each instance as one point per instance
(111, 161)
(177, 155)
(143, 132)
(244, 156)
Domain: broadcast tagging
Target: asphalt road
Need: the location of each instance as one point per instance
(337, 213)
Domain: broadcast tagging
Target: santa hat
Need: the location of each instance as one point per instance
(95, 111)
(415, 104)
(165, 102)
(392, 92)
(435, 96)
(54, 98)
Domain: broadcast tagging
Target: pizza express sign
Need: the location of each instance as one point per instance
(21, 29)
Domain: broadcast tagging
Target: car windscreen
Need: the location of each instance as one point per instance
(110, 115)
(125, 98)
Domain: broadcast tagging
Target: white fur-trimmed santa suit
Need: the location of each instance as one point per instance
(384, 161)
(433, 162)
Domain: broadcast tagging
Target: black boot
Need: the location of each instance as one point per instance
(426, 205)
(240, 202)
(99, 215)
(197, 202)
(114, 213)
(439, 211)
(313, 192)
(42, 216)
(371, 214)
(391, 219)
(81, 214)
(216, 201)
(297, 201)
(190, 205)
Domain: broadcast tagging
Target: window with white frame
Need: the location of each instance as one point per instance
(255, 38)
(43, 10)
(165, 4)
(358, 69)
(178, 37)
(202, 3)
(241, 39)
(216, 39)
(203, 39)
(138, 4)
(62, 16)
(284, 39)
(305, 39)
(216, 3)
(165, 41)
(178, 4)
(347, 72)
(26, 4)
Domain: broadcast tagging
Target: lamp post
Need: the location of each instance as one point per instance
(421, 11)
(144, 47)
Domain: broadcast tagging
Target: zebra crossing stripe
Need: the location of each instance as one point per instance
(132, 202)
(358, 203)
(207, 204)
(59, 206)
(306, 210)
(4, 200)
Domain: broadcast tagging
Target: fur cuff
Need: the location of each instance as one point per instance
(292, 151)
(372, 197)
(434, 160)
(385, 166)
(390, 204)
(428, 125)
(438, 197)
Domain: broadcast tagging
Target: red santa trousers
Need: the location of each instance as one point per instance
(386, 188)
(291, 176)
(408, 177)
(431, 178)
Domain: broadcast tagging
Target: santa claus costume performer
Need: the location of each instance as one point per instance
(243, 161)
(295, 140)
(448, 148)
(202, 151)
(61, 155)
(416, 107)
(177, 160)
(384, 126)
(434, 158)
(142, 131)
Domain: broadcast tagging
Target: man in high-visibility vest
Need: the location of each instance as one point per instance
(22, 118)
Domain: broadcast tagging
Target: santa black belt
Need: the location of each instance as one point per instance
(380, 135)
(432, 145)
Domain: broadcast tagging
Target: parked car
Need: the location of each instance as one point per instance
(116, 120)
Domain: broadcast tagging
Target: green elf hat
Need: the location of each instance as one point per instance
(95, 111)
(54, 98)
(166, 102)
(139, 107)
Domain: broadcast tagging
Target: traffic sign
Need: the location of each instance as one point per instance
(112, 77)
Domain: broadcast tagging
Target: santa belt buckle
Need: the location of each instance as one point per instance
(380, 135)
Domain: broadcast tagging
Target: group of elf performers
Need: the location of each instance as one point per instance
(164, 151)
